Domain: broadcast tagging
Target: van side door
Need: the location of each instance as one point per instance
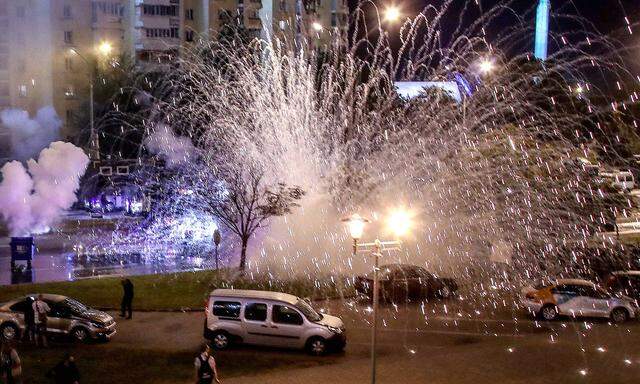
(257, 330)
(287, 325)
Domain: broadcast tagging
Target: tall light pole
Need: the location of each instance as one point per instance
(216, 241)
(356, 224)
(104, 49)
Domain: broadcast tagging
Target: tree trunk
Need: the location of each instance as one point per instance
(243, 254)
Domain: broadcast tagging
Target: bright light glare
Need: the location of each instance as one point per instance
(399, 222)
(391, 14)
(105, 48)
(356, 226)
(486, 66)
(316, 26)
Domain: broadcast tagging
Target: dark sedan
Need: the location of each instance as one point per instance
(403, 282)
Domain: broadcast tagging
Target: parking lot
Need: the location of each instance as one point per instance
(458, 341)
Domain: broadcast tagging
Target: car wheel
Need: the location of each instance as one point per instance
(317, 346)
(549, 312)
(9, 332)
(619, 315)
(220, 340)
(80, 334)
(445, 292)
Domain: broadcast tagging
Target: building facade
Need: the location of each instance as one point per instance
(46, 46)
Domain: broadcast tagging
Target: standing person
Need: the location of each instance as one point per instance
(40, 309)
(206, 371)
(29, 321)
(65, 372)
(127, 298)
(10, 366)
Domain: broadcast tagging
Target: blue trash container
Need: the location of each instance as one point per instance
(22, 249)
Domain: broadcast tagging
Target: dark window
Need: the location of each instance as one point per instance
(20, 12)
(255, 312)
(286, 315)
(66, 11)
(20, 306)
(188, 14)
(226, 309)
(60, 310)
(188, 35)
(565, 290)
(68, 37)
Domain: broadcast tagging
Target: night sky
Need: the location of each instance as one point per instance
(607, 16)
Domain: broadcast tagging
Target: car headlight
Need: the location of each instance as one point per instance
(335, 330)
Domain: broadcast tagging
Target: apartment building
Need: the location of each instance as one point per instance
(46, 45)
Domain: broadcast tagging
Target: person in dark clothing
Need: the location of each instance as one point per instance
(206, 370)
(29, 321)
(65, 372)
(127, 299)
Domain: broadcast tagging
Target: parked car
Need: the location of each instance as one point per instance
(67, 317)
(621, 180)
(577, 298)
(271, 319)
(626, 283)
(406, 282)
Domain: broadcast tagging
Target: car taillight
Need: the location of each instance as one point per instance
(206, 304)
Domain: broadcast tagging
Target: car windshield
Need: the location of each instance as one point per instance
(308, 311)
(76, 306)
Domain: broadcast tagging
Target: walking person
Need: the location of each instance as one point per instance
(10, 366)
(41, 309)
(127, 299)
(29, 321)
(206, 371)
(65, 372)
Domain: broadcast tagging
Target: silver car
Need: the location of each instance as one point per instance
(271, 319)
(67, 317)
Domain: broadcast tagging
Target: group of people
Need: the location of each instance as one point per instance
(35, 320)
(66, 372)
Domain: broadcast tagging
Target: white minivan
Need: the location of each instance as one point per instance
(272, 319)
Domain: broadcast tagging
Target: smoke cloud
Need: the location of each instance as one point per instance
(29, 136)
(32, 198)
(175, 150)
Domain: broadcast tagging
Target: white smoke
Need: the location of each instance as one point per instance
(29, 136)
(32, 199)
(175, 150)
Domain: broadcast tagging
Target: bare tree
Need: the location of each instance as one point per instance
(243, 202)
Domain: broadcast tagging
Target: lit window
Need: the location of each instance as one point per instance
(69, 91)
(22, 90)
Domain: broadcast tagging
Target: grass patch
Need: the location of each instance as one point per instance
(173, 290)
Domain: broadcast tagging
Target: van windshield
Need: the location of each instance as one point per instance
(308, 311)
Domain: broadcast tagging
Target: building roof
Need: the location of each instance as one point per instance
(252, 294)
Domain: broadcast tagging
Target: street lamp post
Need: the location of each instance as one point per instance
(104, 49)
(356, 225)
(216, 240)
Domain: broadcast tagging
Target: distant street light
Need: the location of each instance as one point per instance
(316, 26)
(487, 66)
(392, 14)
(356, 224)
(105, 48)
